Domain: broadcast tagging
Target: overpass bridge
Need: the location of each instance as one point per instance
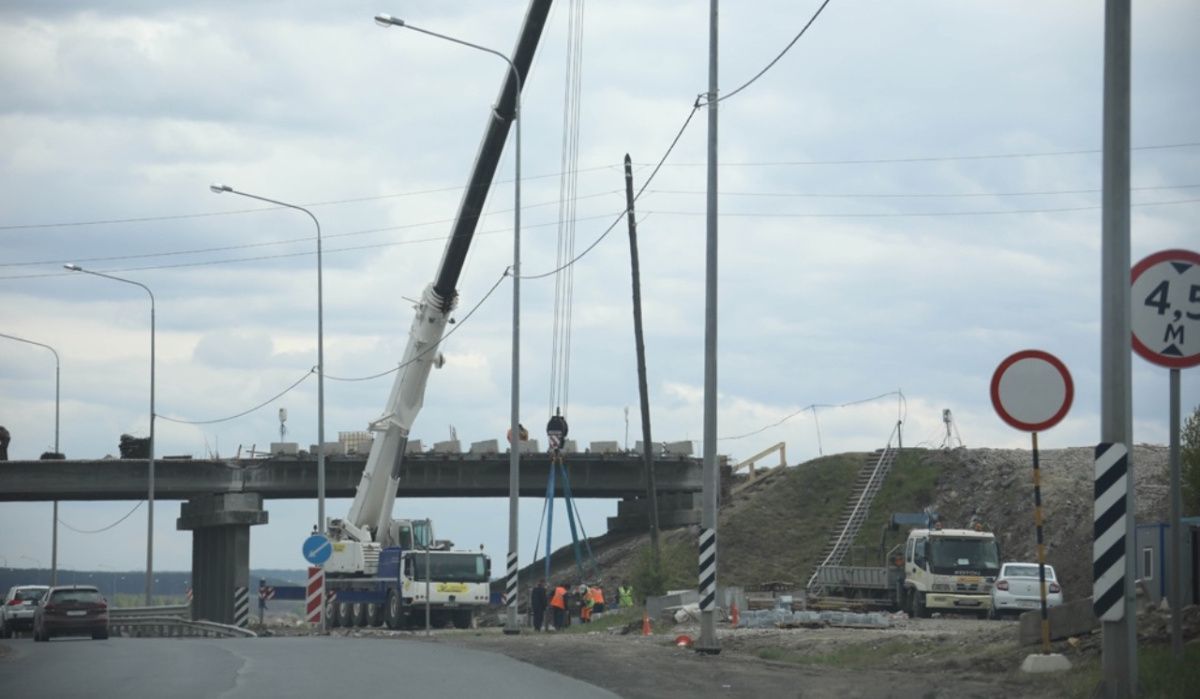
(222, 499)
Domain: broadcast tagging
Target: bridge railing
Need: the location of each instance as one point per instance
(168, 621)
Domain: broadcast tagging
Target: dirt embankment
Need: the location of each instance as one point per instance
(996, 485)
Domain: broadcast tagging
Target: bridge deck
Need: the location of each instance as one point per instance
(422, 475)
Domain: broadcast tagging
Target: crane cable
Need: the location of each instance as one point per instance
(564, 279)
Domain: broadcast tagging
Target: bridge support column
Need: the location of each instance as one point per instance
(220, 526)
(674, 510)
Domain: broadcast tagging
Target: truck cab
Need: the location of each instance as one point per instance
(951, 570)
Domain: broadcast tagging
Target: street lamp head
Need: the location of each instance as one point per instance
(73, 267)
(388, 21)
(217, 188)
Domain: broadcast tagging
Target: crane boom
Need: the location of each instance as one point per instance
(369, 519)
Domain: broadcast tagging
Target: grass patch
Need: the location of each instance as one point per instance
(776, 532)
(1160, 675)
(678, 569)
(614, 619)
(853, 656)
(909, 487)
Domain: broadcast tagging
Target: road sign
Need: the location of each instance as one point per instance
(317, 549)
(1166, 308)
(1032, 390)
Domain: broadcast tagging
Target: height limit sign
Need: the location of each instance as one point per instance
(1166, 308)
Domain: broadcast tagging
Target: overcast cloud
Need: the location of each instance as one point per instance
(840, 281)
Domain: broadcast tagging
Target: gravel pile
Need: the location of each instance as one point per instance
(996, 485)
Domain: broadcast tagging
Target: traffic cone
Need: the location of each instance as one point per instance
(645, 623)
(733, 614)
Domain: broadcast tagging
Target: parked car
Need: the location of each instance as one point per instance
(19, 605)
(72, 610)
(1017, 589)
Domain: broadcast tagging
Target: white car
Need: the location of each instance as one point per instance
(19, 605)
(1017, 589)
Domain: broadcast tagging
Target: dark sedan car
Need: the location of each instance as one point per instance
(73, 610)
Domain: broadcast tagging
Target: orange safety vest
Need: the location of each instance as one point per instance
(596, 594)
(559, 598)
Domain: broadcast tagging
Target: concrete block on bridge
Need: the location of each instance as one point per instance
(331, 449)
(413, 447)
(604, 448)
(683, 448)
(487, 446)
(450, 446)
(284, 449)
(1072, 618)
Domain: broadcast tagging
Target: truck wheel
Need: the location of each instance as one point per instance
(333, 618)
(393, 615)
(346, 612)
(375, 614)
(919, 608)
(462, 619)
(360, 614)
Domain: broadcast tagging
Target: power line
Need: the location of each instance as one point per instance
(915, 214)
(919, 195)
(812, 407)
(232, 212)
(102, 529)
(620, 216)
(775, 60)
(933, 158)
(430, 348)
(327, 251)
(270, 400)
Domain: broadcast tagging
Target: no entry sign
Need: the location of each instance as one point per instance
(1165, 318)
(1032, 390)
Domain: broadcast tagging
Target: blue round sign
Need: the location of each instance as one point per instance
(317, 549)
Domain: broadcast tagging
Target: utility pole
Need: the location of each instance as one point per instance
(1119, 641)
(643, 390)
(708, 517)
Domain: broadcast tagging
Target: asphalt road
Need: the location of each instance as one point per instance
(267, 667)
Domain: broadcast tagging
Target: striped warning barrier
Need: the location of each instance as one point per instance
(510, 584)
(708, 569)
(314, 598)
(241, 606)
(1108, 531)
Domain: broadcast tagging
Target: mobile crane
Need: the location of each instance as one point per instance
(376, 559)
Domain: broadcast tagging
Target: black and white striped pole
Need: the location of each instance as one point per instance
(1032, 391)
(1108, 532)
(241, 606)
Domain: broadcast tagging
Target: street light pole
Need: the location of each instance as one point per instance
(514, 459)
(150, 461)
(221, 188)
(57, 377)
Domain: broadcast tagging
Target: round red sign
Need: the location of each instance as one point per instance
(1032, 390)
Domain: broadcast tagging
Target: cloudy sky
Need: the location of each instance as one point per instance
(910, 195)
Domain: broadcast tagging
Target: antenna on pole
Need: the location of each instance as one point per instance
(282, 423)
(952, 436)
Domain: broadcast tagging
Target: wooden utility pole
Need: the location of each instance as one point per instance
(643, 391)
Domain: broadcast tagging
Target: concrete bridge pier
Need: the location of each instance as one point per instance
(674, 510)
(220, 525)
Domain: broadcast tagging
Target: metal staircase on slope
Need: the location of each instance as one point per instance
(866, 487)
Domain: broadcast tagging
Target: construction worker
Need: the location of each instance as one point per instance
(558, 606)
(597, 594)
(537, 604)
(586, 603)
(625, 594)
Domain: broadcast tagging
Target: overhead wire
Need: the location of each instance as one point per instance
(812, 407)
(775, 60)
(915, 195)
(102, 529)
(431, 347)
(265, 403)
(913, 214)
